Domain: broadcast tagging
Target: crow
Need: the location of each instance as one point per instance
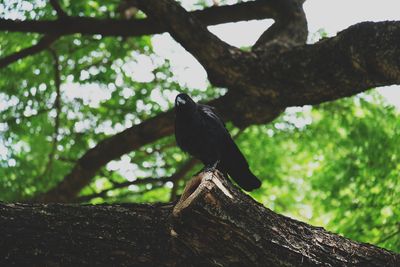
(201, 132)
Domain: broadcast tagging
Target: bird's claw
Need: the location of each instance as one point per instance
(211, 168)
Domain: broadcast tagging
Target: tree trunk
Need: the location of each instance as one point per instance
(213, 224)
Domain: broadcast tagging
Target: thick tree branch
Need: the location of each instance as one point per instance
(214, 54)
(112, 27)
(364, 56)
(214, 224)
(227, 66)
(43, 44)
(211, 202)
(289, 29)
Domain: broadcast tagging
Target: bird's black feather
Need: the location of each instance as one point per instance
(201, 132)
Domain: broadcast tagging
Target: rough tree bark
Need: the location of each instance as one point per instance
(213, 224)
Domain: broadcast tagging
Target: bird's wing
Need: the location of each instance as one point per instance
(214, 128)
(222, 137)
(211, 116)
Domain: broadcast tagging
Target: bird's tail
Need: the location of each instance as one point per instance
(245, 179)
(235, 164)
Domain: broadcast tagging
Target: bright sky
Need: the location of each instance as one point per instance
(331, 16)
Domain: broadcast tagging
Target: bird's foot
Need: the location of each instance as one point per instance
(208, 169)
(211, 168)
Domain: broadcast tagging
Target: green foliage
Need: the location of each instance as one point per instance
(334, 165)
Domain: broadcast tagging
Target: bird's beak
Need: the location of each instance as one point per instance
(180, 101)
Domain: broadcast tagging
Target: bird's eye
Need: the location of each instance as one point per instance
(180, 101)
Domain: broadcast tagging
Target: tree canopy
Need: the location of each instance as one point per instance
(80, 122)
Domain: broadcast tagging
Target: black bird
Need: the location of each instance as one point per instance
(200, 132)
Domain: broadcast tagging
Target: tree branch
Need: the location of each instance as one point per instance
(361, 57)
(364, 56)
(43, 44)
(289, 29)
(57, 7)
(214, 54)
(211, 202)
(214, 224)
(112, 27)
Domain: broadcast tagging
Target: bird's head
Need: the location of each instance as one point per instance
(183, 102)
